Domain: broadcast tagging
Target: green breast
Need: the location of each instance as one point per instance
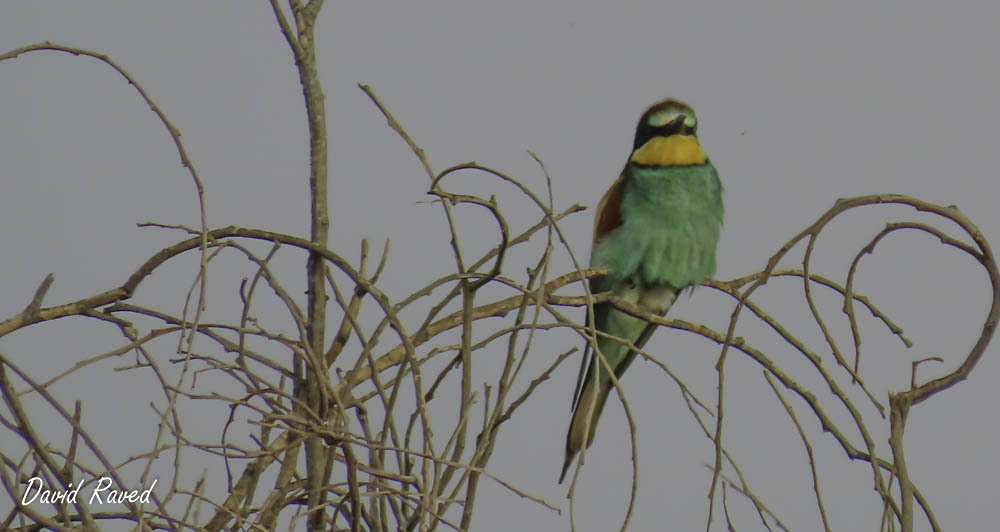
(671, 218)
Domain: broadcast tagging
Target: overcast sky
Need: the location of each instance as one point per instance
(800, 103)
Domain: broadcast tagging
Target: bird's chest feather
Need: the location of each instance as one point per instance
(671, 219)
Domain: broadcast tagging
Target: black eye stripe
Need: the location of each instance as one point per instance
(646, 132)
(667, 130)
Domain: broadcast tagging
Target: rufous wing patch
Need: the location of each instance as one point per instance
(609, 210)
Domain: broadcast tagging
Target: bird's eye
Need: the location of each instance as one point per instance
(665, 117)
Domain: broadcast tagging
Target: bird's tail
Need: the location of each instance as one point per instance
(581, 432)
(595, 392)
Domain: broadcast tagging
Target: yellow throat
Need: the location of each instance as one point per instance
(675, 150)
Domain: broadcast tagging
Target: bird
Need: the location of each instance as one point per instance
(655, 231)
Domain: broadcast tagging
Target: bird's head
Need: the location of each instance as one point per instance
(667, 136)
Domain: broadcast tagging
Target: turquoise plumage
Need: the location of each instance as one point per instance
(656, 232)
(670, 225)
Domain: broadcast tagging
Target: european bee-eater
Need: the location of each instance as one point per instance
(656, 231)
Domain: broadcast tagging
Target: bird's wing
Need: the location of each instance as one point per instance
(607, 218)
(639, 343)
(609, 209)
(588, 351)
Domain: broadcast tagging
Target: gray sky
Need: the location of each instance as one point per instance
(800, 103)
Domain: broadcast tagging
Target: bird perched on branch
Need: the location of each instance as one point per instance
(656, 231)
